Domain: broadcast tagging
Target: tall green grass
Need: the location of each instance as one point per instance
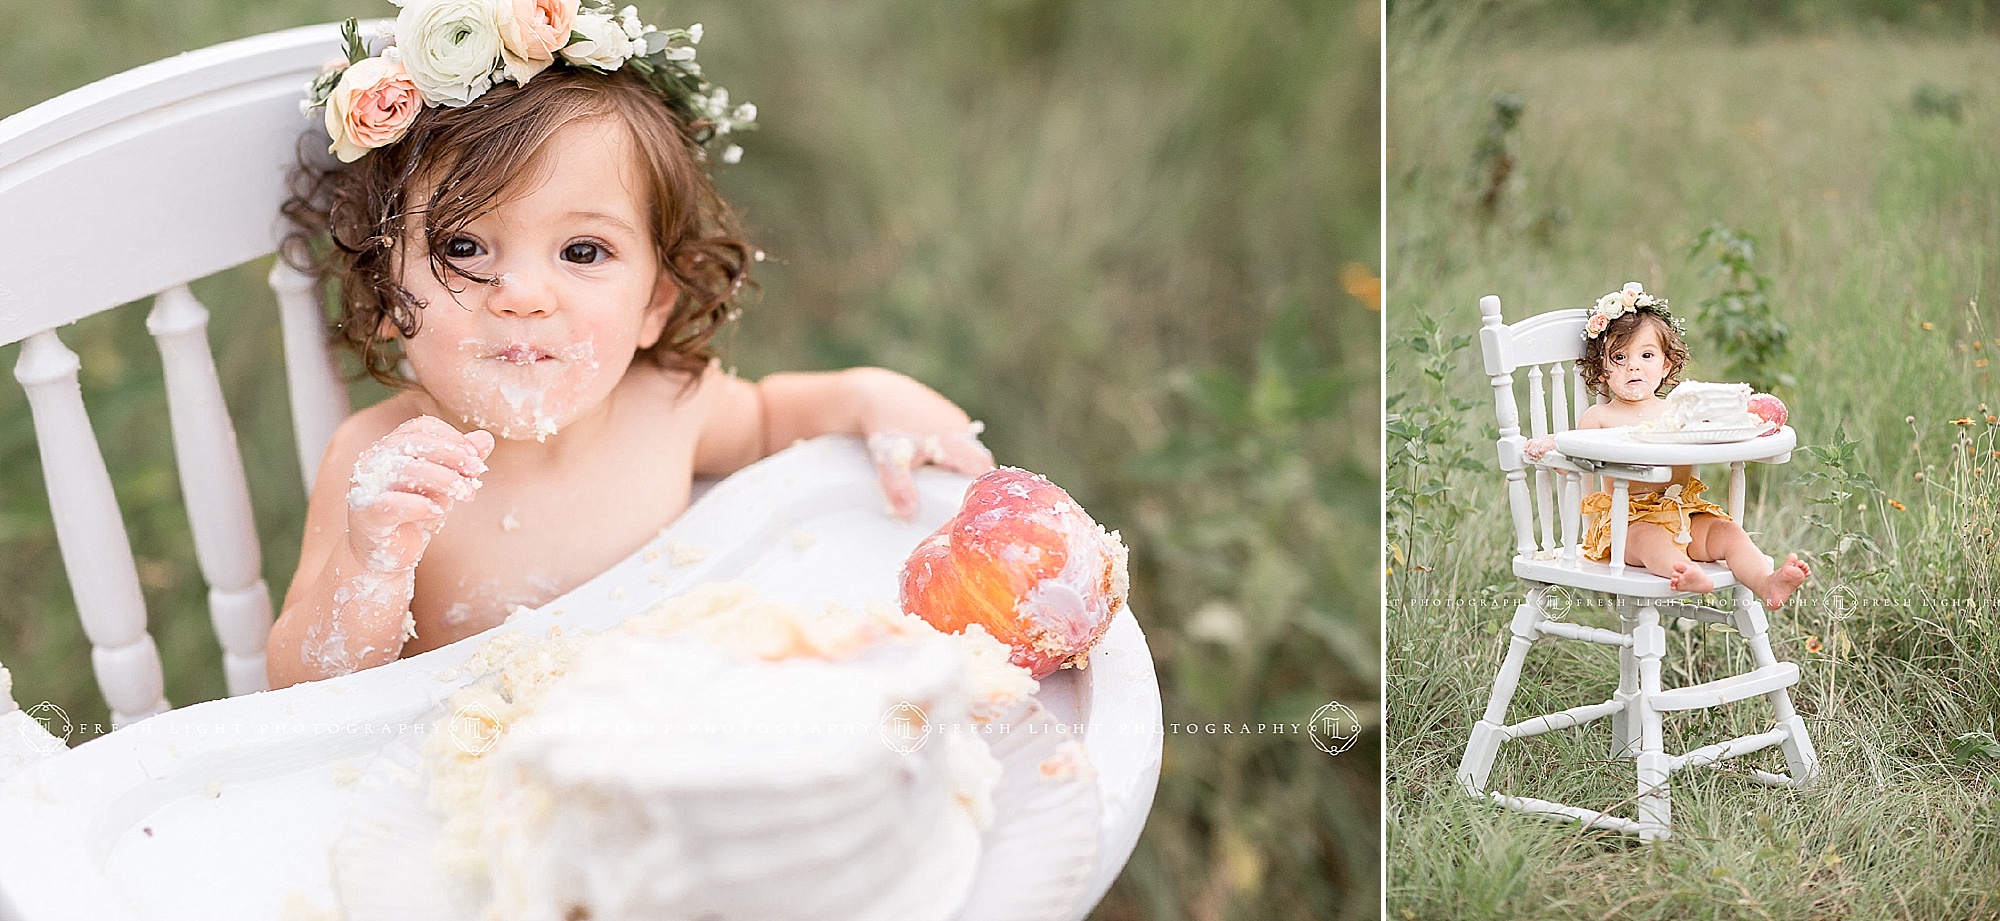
(1113, 231)
(1879, 220)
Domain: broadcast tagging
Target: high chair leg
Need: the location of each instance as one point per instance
(1625, 723)
(1649, 644)
(1801, 759)
(1487, 734)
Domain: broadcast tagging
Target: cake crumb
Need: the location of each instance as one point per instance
(509, 523)
(214, 789)
(345, 772)
(802, 538)
(1068, 763)
(618, 594)
(681, 554)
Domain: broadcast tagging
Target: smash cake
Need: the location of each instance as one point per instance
(725, 756)
(1695, 405)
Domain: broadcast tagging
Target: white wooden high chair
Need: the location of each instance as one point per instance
(133, 187)
(1547, 539)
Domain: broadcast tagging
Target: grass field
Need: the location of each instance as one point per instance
(1116, 232)
(1867, 165)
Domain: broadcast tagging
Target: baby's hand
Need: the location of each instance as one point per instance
(1538, 446)
(910, 425)
(405, 484)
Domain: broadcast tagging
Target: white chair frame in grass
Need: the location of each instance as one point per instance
(1549, 346)
(128, 188)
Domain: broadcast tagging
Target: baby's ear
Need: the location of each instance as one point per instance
(659, 310)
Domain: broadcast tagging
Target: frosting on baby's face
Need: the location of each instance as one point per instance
(578, 291)
(1634, 371)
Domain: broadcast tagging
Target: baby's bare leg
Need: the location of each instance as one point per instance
(1718, 539)
(1652, 546)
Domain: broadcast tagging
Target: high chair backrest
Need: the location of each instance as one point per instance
(128, 188)
(1550, 346)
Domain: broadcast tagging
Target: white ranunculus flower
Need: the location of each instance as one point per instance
(450, 48)
(694, 34)
(1633, 287)
(732, 154)
(604, 44)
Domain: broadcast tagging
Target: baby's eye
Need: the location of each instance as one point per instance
(584, 253)
(461, 248)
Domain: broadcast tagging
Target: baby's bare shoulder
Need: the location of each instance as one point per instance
(367, 426)
(668, 409)
(651, 388)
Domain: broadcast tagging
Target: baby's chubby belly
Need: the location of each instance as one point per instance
(1683, 476)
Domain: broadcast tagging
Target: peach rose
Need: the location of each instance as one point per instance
(531, 32)
(372, 106)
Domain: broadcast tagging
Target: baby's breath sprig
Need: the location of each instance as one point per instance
(667, 63)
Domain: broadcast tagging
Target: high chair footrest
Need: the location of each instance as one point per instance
(1542, 807)
(1740, 687)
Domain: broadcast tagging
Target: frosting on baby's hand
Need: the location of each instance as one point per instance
(897, 453)
(405, 484)
(1538, 446)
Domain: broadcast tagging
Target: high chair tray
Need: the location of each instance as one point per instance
(229, 808)
(1617, 446)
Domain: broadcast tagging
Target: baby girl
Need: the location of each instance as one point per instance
(1633, 351)
(522, 213)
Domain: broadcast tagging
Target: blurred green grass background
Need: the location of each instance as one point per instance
(1115, 231)
(1863, 151)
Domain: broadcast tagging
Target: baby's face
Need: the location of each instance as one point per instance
(1634, 370)
(581, 290)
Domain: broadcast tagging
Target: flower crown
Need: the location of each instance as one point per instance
(450, 52)
(1630, 299)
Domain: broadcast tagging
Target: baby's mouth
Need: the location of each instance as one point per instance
(521, 354)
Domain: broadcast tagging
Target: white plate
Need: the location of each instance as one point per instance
(1713, 436)
(229, 808)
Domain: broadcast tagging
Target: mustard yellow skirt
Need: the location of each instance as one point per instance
(1670, 509)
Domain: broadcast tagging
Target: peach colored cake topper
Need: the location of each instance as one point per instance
(1022, 559)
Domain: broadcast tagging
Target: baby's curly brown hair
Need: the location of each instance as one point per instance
(458, 163)
(1597, 352)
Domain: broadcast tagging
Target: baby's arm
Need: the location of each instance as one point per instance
(371, 515)
(907, 424)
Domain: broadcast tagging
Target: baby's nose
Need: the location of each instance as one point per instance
(516, 294)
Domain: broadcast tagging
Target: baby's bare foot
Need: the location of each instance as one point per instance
(1688, 577)
(1785, 580)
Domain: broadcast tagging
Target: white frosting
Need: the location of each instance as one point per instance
(1698, 405)
(723, 755)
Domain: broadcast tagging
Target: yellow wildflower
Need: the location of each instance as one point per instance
(1363, 284)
